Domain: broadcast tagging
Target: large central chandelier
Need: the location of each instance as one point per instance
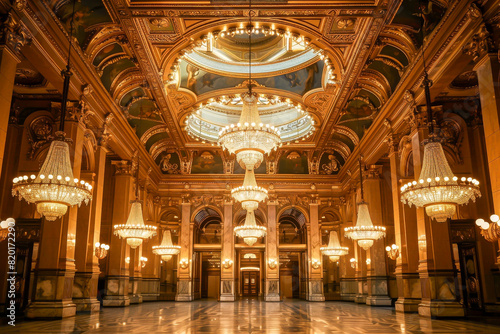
(250, 231)
(437, 189)
(365, 233)
(166, 249)
(54, 189)
(134, 230)
(250, 139)
(334, 250)
(249, 194)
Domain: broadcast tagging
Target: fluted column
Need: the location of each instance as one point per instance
(315, 279)
(117, 278)
(272, 280)
(185, 275)
(227, 286)
(405, 230)
(377, 278)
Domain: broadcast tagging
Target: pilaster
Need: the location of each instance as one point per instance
(272, 280)
(227, 283)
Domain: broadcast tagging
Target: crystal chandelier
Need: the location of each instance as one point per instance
(54, 189)
(334, 250)
(437, 189)
(364, 232)
(249, 194)
(166, 249)
(250, 231)
(134, 230)
(249, 139)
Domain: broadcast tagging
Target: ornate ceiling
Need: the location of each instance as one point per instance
(174, 66)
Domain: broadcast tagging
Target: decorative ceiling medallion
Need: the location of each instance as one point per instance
(466, 80)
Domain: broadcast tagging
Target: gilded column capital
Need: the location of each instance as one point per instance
(392, 141)
(480, 44)
(12, 33)
(373, 172)
(123, 167)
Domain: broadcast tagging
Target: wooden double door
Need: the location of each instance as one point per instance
(250, 282)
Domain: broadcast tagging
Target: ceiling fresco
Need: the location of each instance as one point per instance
(161, 63)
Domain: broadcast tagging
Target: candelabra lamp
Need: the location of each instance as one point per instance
(490, 231)
(353, 262)
(6, 226)
(227, 263)
(392, 251)
(184, 263)
(272, 263)
(315, 263)
(101, 250)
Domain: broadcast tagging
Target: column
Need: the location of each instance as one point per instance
(272, 279)
(315, 279)
(405, 230)
(117, 278)
(377, 280)
(135, 272)
(227, 287)
(87, 234)
(150, 285)
(488, 72)
(185, 269)
(9, 58)
(55, 269)
(436, 269)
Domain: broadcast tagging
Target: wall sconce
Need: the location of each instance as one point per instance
(353, 263)
(491, 232)
(315, 263)
(5, 226)
(184, 263)
(71, 240)
(101, 250)
(127, 259)
(392, 251)
(143, 261)
(227, 263)
(368, 261)
(422, 243)
(272, 263)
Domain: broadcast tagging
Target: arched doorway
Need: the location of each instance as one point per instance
(292, 236)
(207, 253)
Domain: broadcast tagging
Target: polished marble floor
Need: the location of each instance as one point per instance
(252, 316)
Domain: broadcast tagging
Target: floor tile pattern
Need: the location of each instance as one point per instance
(253, 316)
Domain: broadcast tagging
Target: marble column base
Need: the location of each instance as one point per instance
(272, 290)
(87, 305)
(45, 310)
(407, 305)
(184, 290)
(150, 297)
(116, 301)
(315, 293)
(348, 289)
(440, 309)
(378, 301)
(227, 290)
(85, 291)
(492, 308)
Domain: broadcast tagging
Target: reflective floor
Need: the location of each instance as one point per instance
(253, 316)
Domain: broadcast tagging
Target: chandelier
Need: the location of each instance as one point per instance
(437, 189)
(166, 249)
(249, 194)
(364, 232)
(250, 139)
(55, 189)
(250, 231)
(334, 250)
(134, 230)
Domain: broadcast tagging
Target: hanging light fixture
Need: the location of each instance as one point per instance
(365, 233)
(54, 189)
(249, 139)
(249, 194)
(166, 249)
(250, 231)
(334, 250)
(438, 190)
(134, 230)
